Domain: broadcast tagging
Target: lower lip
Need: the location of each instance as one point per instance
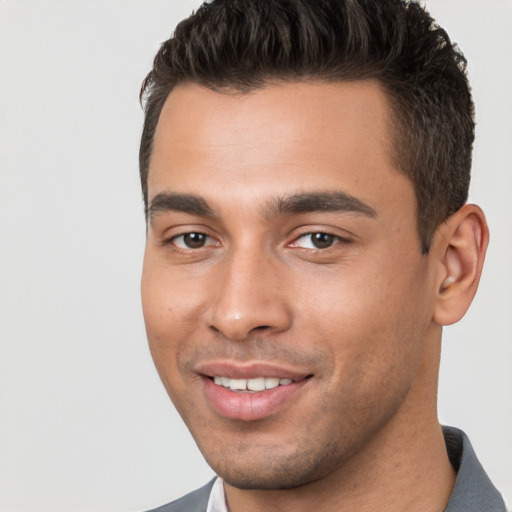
(254, 406)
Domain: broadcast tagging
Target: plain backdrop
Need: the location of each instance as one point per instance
(85, 424)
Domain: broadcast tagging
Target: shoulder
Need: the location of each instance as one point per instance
(196, 501)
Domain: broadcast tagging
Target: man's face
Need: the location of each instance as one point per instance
(282, 255)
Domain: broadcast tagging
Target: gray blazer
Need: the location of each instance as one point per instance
(196, 501)
(473, 491)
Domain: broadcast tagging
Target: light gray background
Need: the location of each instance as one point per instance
(84, 422)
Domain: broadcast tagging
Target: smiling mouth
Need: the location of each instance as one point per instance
(253, 396)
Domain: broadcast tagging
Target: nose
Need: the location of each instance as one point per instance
(249, 298)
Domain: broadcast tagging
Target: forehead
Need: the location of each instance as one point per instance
(284, 136)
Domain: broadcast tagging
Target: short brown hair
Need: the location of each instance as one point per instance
(243, 44)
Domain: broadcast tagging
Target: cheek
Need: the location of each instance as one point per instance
(168, 304)
(172, 313)
(165, 334)
(370, 321)
(160, 317)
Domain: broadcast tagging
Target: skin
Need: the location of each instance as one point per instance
(360, 318)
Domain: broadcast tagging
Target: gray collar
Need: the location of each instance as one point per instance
(473, 491)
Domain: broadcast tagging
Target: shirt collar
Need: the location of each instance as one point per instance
(473, 490)
(217, 501)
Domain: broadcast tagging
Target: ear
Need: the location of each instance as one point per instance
(460, 244)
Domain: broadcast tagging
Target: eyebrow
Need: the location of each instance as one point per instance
(295, 204)
(311, 202)
(187, 203)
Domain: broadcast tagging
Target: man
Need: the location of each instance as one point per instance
(305, 169)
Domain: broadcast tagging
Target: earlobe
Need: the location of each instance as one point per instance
(461, 243)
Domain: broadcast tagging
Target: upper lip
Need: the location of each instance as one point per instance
(249, 370)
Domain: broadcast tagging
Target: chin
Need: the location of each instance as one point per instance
(279, 471)
(266, 481)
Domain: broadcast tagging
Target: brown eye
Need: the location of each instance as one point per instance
(191, 241)
(317, 240)
(322, 240)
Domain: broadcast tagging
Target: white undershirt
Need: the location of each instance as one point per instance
(217, 501)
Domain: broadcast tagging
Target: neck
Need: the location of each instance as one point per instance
(405, 467)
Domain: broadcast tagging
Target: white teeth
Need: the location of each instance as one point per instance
(271, 383)
(256, 384)
(240, 384)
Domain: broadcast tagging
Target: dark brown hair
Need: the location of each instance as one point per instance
(243, 44)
